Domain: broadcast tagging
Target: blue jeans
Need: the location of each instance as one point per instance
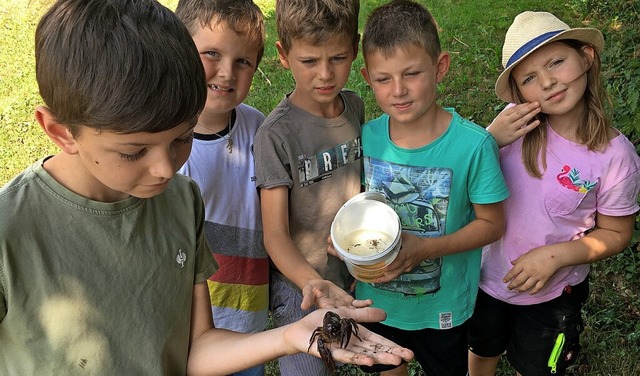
(285, 300)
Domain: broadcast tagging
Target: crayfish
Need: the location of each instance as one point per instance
(333, 329)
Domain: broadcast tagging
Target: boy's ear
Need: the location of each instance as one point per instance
(282, 55)
(442, 66)
(365, 75)
(58, 133)
(356, 45)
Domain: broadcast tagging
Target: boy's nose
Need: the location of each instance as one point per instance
(399, 89)
(226, 70)
(325, 71)
(163, 166)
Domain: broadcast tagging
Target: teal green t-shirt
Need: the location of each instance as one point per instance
(432, 188)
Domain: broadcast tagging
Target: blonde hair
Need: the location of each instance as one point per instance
(594, 123)
(244, 17)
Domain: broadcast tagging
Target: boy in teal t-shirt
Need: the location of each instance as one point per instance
(441, 175)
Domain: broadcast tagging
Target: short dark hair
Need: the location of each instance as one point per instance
(315, 21)
(120, 65)
(400, 23)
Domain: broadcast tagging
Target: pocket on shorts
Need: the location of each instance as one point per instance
(562, 200)
(572, 328)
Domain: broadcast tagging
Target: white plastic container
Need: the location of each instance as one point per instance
(366, 233)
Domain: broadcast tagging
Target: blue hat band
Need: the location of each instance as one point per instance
(530, 45)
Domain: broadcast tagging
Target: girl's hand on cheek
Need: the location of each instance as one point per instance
(514, 122)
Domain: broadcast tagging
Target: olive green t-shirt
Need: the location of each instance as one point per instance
(93, 288)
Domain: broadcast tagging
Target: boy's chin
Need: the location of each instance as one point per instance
(149, 190)
(220, 105)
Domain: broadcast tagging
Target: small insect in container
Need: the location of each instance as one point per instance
(366, 234)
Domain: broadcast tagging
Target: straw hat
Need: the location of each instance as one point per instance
(532, 30)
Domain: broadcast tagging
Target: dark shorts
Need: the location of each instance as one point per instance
(439, 352)
(528, 333)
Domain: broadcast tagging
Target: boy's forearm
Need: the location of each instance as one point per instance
(222, 352)
(476, 234)
(214, 351)
(289, 260)
(488, 227)
(280, 247)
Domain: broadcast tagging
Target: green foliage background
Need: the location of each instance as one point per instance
(472, 31)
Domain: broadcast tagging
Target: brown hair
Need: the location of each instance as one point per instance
(400, 23)
(594, 125)
(242, 16)
(125, 66)
(316, 21)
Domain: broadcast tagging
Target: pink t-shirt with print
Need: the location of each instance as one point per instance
(559, 207)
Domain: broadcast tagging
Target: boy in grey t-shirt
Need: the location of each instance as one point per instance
(308, 162)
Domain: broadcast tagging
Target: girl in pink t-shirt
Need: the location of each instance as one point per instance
(574, 182)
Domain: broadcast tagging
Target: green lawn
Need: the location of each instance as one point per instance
(473, 32)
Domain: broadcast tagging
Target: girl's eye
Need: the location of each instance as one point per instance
(557, 62)
(527, 80)
(132, 157)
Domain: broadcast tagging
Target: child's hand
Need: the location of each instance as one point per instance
(331, 249)
(368, 351)
(325, 294)
(408, 258)
(514, 122)
(532, 270)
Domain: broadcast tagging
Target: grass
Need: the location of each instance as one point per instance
(473, 36)
(21, 141)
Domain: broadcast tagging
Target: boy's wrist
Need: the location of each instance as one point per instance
(429, 248)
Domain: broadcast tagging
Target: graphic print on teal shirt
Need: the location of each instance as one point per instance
(420, 196)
